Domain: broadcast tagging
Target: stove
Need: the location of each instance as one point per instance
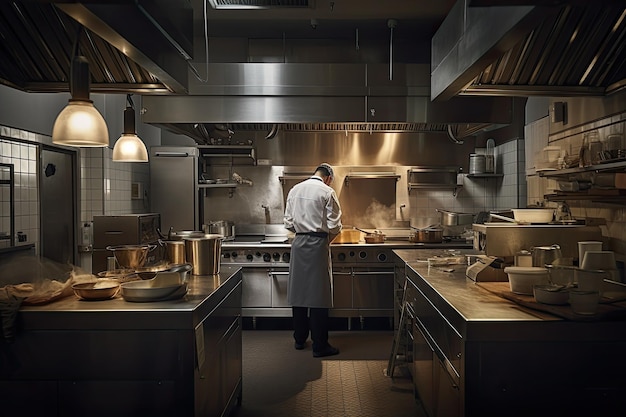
(360, 255)
(256, 256)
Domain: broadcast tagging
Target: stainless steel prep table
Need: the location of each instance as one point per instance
(476, 353)
(113, 357)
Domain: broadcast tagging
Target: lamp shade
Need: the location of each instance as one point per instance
(80, 123)
(129, 148)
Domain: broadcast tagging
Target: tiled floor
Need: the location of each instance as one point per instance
(280, 381)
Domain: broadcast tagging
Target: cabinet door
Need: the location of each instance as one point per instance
(446, 393)
(342, 288)
(280, 278)
(423, 359)
(373, 288)
(257, 287)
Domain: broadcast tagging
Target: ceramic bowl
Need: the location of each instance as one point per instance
(551, 294)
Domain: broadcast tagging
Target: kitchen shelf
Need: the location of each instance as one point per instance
(610, 196)
(243, 154)
(611, 167)
(370, 175)
(485, 175)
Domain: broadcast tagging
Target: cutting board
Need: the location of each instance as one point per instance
(610, 308)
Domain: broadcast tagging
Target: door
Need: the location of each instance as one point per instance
(58, 205)
(280, 280)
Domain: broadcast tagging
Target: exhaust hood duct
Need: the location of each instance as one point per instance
(567, 49)
(258, 4)
(156, 35)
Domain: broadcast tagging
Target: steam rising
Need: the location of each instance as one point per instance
(377, 215)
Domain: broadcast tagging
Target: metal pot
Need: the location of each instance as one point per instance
(184, 234)
(221, 227)
(174, 251)
(545, 255)
(204, 254)
(450, 218)
(376, 237)
(427, 235)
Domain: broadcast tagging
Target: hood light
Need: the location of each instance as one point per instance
(79, 123)
(129, 148)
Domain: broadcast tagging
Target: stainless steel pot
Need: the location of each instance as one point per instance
(450, 218)
(174, 251)
(204, 254)
(545, 255)
(221, 227)
(427, 235)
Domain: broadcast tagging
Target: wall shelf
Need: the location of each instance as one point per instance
(617, 166)
(485, 175)
(236, 154)
(370, 175)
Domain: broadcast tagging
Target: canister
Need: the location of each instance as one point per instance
(523, 258)
(477, 163)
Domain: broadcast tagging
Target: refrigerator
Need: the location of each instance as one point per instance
(174, 191)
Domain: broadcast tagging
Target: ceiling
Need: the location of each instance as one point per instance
(145, 46)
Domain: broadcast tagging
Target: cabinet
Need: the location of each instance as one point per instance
(437, 351)
(433, 178)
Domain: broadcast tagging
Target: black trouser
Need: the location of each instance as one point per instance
(313, 319)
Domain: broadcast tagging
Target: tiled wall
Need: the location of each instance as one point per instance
(477, 193)
(24, 158)
(105, 186)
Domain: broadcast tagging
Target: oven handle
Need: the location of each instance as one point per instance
(374, 273)
(278, 273)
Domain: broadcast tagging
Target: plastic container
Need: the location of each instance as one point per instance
(522, 279)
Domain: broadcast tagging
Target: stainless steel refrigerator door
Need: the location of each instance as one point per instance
(174, 187)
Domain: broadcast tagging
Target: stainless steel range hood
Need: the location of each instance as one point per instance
(546, 48)
(139, 46)
(321, 97)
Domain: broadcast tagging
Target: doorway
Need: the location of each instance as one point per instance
(58, 204)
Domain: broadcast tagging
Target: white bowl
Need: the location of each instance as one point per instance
(584, 302)
(523, 278)
(533, 215)
(551, 294)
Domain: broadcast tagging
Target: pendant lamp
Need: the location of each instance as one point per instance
(129, 148)
(79, 123)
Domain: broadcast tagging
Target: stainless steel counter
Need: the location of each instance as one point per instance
(102, 358)
(502, 358)
(70, 313)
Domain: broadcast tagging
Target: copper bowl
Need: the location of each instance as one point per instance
(102, 289)
(131, 256)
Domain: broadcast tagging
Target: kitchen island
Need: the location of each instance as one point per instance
(117, 358)
(475, 353)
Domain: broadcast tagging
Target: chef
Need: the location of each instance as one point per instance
(313, 213)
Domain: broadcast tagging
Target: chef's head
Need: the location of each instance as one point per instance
(326, 172)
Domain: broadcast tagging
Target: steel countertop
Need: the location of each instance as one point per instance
(70, 313)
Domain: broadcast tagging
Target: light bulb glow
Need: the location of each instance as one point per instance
(80, 124)
(129, 148)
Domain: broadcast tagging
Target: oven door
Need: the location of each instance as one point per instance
(280, 278)
(256, 287)
(373, 288)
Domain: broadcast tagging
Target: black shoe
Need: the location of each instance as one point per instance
(299, 346)
(329, 351)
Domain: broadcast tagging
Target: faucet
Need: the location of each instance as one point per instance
(267, 213)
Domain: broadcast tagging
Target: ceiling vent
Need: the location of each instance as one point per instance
(259, 4)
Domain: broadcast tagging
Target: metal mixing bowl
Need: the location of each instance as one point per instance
(102, 289)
